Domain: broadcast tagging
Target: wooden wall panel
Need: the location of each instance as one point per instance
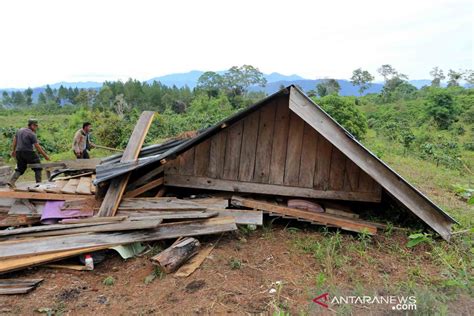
(277, 163)
(186, 162)
(337, 170)
(217, 153)
(264, 143)
(308, 157)
(293, 151)
(232, 151)
(323, 164)
(365, 182)
(201, 158)
(351, 178)
(249, 145)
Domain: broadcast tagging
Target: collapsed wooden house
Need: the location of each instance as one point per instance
(284, 145)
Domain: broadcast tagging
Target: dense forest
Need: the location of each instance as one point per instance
(434, 123)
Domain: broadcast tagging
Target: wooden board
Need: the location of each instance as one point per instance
(248, 149)
(70, 164)
(58, 185)
(201, 158)
(145, 178)
(217, 153)
(93, 187)
(195, 262)
(325, 219)
(84, 186)
(70, 187)
(280, 140)
(242, 217)
(99, 227)
(308, 157)
(150, 215)
(323, 164)
(117, 185)
(337, 171)
(43, 228)
(40, 196)
(232, 151)
(73, 242)
(262, 188)
(164, 204)
(264, 143)
(186, 162)
(293, 151)
(144, 188)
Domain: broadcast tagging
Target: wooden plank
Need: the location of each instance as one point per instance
(18, 290)
(264, 143)
(280, 140)
(78, 241)
(43, 228)
(84, 186)
(337, 171)
(325, 219)
(117, 185)
(159, 204)
(77, 221)
(308, 157)
(263, 188)
(242, 217)
(74, 176)
(70, 187)
(99, 227)
(70, 164)
(147, 187)
(323, 164)
(365, 182)
(58, 185)
(16, 282)
(249, 143)
(75, 267)
(194, 263)
(19, 220)
(389, 180)
(232, 151)
(201, 158)
(40, 196)
(293, 151)
(23, 207)
(13, 264)
(151, 215)
(351, 178)
(186, 162)
(338, 212)
(217, 154)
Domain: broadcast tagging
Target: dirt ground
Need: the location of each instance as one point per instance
(237, 278)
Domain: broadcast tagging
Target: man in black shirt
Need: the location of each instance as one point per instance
(24, 143)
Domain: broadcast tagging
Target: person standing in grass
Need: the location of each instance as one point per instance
(24, 143)
(82, 143)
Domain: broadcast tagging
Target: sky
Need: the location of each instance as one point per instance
(51, 41)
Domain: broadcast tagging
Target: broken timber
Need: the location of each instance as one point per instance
(321, 218)
(170, 259)
(117, 185)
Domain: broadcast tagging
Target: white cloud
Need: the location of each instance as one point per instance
(50, 41)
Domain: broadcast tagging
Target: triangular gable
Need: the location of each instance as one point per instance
(393, 183)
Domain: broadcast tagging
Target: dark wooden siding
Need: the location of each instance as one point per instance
(274, 146)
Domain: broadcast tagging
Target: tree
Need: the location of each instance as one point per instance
(237, 80)
(28, 96)
(469, 77)
(328, 87)
(392, 79)
(362, 78)
(6, 99)
(210, 82)
(441, 107)
(438, 76)
(346, 113)
(454, 77)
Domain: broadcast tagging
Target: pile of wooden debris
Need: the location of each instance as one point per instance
(225, 176)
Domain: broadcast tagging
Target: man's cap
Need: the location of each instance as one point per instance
(32, 121)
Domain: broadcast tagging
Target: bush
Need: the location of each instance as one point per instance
(346, 113)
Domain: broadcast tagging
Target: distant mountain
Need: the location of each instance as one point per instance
(79, 85)
(347, 88)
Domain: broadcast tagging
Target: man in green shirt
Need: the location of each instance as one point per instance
(24, 143)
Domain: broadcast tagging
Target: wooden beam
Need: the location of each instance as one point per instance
(117, 185)
(325, 219)
(263, 188)
(40, 196)
(70, 164)
(145, 178)
(139, 191)
(387, 178)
